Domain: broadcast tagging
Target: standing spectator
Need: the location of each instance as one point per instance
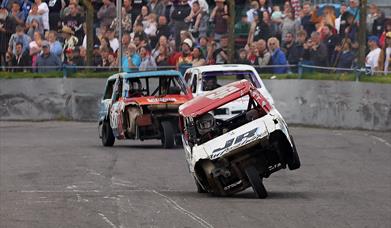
(276, 20)
(70, 41)
(137, 5)
(162, 29)
(263, 7)
(66, 11)
(198, 58)
(7, 28)
(289, 25)
(55, 7)
(371, 17)
(25, 7)
(55, 45)
(221, 54)
(162, 42)
(143, 17)
(385, 55)
(288, 48)
(220, 17)
(156, 7)
(263, 54)
(151, 28)
(113, 41)
(18, 37)
(387, 28)
(203, 43)
(260, 28)
(372, 59)
(343, 56)
(33, 15)
(125, 41)
(306, 22)
(126, 23)
(315, 52)
(43, 10)
(74, 20)
(379, 24)
(77, 58)
(254, 9)
(147, 61)
(46, 61)
(351, 29)
(21, 59)
(198, 20)
(330, 40)
(107, 13)
(277, 56)
(17, 14)
(180, 12)
(96, 57)
(131, 60)
(341, 21)
(354, 10)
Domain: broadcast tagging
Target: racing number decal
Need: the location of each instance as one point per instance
(241, 139)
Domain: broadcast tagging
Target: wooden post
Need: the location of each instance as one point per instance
(90, 30)
(362, 34)
(231, 30)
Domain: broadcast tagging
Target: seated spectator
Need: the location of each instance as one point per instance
(162, 42)
(46, 61)
(243, 57)
(131, 60)
(21, 59)
(142, 17)
(17, 14)
(104, 53)
(77, 58)
(315, 52)
(221, 54)
(203, 43)
(289, 48)
(343, 56)
(113, 41)
(96, 57)
(198, 58)
(385, 55)
(263, 55)
(372, 59)
(55, 45)
(18, 37)
(185, 58)
(35, 47)
(147, 61)
(277, 56)
(162, 58)
(330, 40)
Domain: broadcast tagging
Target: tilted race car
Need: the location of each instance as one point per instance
(206, 78)
(142, 105)
(230, 155)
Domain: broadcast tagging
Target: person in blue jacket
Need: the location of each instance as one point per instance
(277, 56)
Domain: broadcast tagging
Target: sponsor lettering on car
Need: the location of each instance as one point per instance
(162, 99)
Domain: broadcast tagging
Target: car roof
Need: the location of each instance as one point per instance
(224, 67)
(142, 74)
(215, 98)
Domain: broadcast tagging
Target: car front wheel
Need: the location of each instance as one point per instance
(256, 182)
(108, 138)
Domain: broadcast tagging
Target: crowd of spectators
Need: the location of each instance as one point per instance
(41, 36)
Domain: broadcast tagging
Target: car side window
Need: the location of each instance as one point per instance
(187, 78)
(109, 90)
(117, 89)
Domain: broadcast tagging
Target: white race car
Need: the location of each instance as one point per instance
(205, 78)
(228, 156)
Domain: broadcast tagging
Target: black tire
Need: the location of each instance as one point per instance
(168, 136)
(108, 138)
(294, 162)
(256, 182)
(178, 140)
(199, 187)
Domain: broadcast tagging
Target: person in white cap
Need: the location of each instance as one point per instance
(185, 58)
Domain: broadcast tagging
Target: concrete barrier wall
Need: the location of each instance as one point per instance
(319, 103)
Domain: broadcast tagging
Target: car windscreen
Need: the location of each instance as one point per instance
(214, 79)
(154, 86)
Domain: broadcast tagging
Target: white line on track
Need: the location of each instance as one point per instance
(193, 216)
(381, 140)
(107, 220)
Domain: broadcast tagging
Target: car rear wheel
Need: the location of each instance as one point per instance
(256, 182)
(168, 134)
(108, 138)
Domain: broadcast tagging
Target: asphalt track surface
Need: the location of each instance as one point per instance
(56, 174)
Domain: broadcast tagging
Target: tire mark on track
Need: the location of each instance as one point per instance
(182, 210)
